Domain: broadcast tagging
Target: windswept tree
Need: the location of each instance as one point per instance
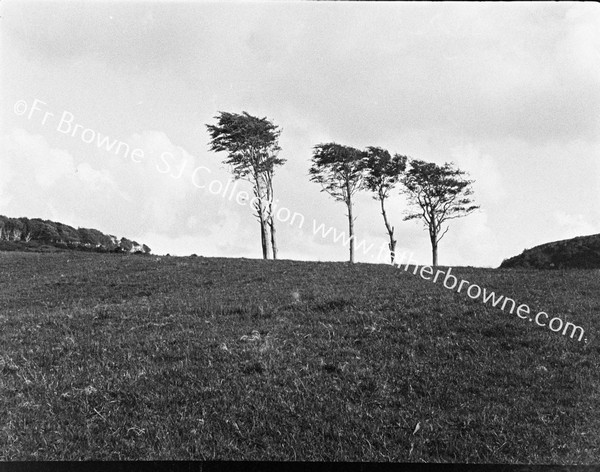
(339, 170)
(382, 173)
(438, 194)
(252, 146)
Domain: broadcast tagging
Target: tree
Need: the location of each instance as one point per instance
(439, 194)
(14, 229)
(68, 234)
(383, 172)
(339, 170)
(251, 145)
(46, 232)
(126, 245)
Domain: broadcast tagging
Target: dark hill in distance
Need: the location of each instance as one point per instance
(24, 234)
(582, 252)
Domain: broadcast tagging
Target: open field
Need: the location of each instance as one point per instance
(132, 357)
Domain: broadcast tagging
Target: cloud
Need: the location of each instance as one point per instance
(483, 169)
(58, 180)
(113, 194)
(158, 198)
(93, 179)
(471, 241)
(6, 175)
(491, 70)
(572, 225)
(509, 92)
(48, 166)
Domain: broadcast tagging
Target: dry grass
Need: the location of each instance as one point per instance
(125, 357)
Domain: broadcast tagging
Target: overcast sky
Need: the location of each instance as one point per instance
(509, 92)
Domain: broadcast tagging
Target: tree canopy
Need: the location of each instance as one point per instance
(251, 143)
(383, 171)
(438, 194)
(338, 169)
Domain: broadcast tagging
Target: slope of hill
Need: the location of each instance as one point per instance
(582, 252)
(24, 234)
(134, 358)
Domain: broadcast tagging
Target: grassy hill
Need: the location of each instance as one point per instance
(112, 357)
(582, 252)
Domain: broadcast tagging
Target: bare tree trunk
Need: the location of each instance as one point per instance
(269, 182)
(351, 228)
(264, 229)
(434, 248)
(390, 230)
(260, 210)
(263, 240)
(273, 243)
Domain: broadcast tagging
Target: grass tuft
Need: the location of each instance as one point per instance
(116, 357)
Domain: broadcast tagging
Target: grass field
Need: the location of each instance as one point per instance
(132, 357)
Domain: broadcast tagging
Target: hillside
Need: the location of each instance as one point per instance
(106, 357)
(37, 235)
(582, 252)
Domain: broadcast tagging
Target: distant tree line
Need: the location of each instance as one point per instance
(38, 231)
(436, 194)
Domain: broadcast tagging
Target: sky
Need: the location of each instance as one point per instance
(105, 106)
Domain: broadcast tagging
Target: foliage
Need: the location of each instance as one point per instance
(251, 143)
(383, 171)
(439, 192)
(338, 169)
(126, 244)
(35, 233)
